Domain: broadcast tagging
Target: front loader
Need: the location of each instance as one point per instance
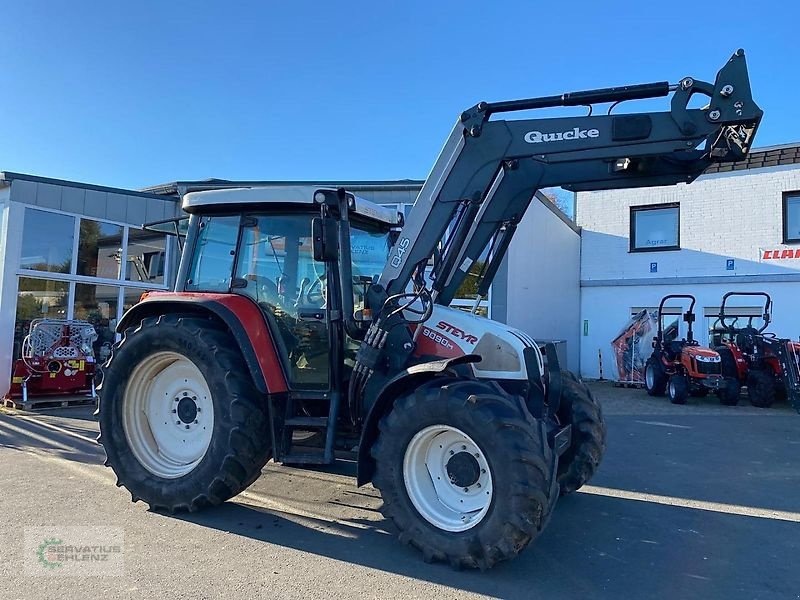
(308, 324)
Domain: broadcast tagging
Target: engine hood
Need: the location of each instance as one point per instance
(450, 332)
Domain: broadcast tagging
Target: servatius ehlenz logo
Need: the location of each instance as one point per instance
(576, 133)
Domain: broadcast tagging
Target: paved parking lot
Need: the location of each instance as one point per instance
(699, 501)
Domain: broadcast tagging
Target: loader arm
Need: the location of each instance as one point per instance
(489, 170)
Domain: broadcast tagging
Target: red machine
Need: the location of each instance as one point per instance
(57, 359)
(768, 365)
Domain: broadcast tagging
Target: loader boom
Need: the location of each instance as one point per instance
(489, 170)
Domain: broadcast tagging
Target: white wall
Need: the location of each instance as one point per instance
(543, 279)
(727, 215)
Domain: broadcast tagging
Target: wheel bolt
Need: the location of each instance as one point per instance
(194, 398)
(483, 470)
(466, 489)
(187, 427)
(185, 393)
(463, 447)
(174, 411)
(195, 422)
(478, 484)
(451, 452)
(477, 455)
(199, 409)
(177, 422)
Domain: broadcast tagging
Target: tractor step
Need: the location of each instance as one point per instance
(311, 422)
(304, 459)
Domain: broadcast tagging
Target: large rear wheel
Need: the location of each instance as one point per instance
(580, 409)
(182, 425)
(761, 388)
(465, 473)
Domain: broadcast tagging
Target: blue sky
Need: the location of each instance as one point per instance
(138, 93)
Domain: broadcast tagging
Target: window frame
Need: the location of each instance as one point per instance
(632, 227)
(792, 195)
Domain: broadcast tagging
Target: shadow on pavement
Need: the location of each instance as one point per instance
(594, 547)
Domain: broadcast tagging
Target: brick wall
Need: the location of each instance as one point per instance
(722, 216)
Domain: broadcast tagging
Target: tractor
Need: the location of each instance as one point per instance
(681, 367)
(309, 325)
(768, 365)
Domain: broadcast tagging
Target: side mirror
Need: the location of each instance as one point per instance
(324, 233)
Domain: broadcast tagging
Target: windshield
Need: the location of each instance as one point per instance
(369, 250)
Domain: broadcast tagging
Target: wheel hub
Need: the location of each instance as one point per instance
(187, 408)
(463, 470)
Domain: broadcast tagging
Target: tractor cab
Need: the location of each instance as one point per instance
(259, 243)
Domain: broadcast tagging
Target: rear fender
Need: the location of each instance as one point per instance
(240, 315)
(410, 378)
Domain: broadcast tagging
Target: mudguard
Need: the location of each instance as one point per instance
(239, 313)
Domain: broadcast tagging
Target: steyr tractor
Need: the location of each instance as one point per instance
(681, 367)
(308, 324)
(768, 365)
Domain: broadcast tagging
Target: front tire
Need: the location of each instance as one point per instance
(761, 388)
(580, 409)
(181, 422)
(678, 389)
(655, 379)
(463, 443)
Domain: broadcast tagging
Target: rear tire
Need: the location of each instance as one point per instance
(150, 459)
(580, 409)
(418, 486)
(678, 389)
(761, 388)
(729, 391)
(655, 379)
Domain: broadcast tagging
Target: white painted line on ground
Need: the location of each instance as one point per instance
(662, 424)
(718, 507)
(5, 425)
(57, 428)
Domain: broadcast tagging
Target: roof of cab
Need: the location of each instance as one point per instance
(299, 194)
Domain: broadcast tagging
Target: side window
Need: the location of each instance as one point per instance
(213, 255)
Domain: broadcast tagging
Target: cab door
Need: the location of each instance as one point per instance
(276, 268)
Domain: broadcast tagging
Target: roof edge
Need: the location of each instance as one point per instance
(9, 176)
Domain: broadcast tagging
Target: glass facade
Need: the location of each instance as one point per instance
(84, 269)
(47, 241)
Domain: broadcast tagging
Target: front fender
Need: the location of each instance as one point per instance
(408, 379)
(239, 314)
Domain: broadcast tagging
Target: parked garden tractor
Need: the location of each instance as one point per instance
(681, 367)
(309, 324)
(768, 365)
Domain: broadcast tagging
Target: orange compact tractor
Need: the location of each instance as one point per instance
(681, 367)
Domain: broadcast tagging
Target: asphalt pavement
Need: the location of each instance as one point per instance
(700, 501)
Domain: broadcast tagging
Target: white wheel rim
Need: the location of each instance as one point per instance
(168, 415)
(672, 389)
(433, 456)
(649, 377)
